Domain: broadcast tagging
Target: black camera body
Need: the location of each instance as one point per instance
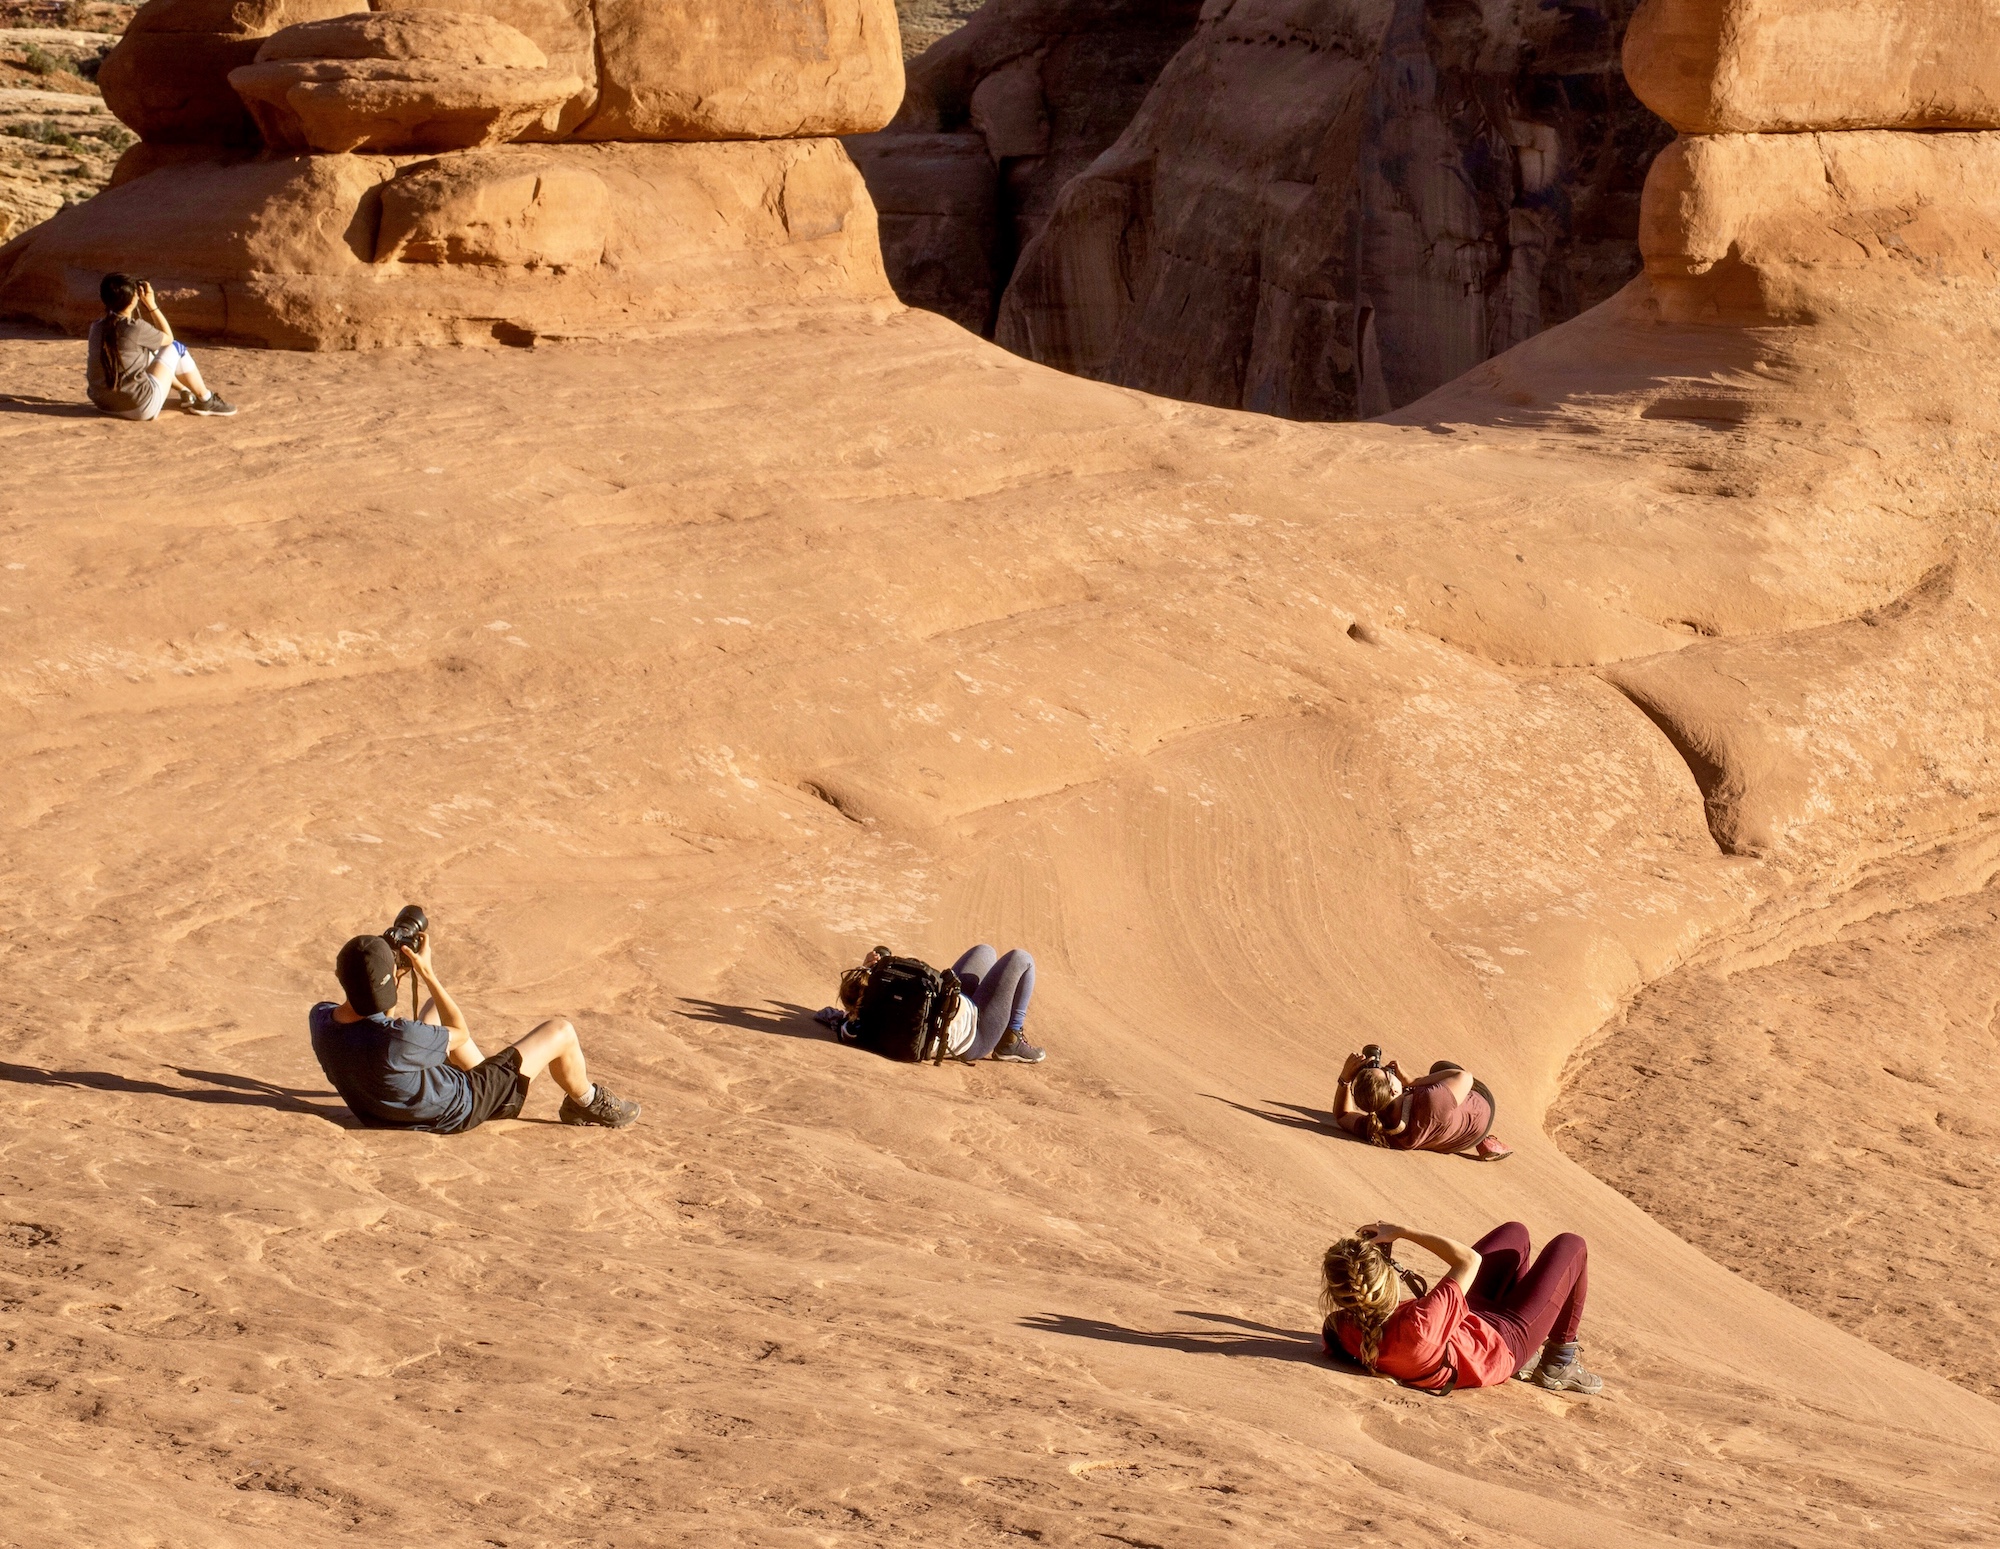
(1371, 1056)
(411, 926)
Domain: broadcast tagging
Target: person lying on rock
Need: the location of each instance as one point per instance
(994, 989)
(429, 1074)
(1446, 1110)
(135, 360)
(1494, 1315)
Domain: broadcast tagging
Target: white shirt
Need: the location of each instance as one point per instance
(964, 1029)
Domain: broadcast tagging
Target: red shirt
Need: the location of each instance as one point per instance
(1439, 1124)
(1421, 1335)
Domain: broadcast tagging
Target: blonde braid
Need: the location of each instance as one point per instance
(1358, 1281)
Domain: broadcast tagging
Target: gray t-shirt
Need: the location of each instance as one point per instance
(119, 383)
(391, 1072)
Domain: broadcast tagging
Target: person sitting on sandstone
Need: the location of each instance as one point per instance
(1495, 1315)
(428, 1074)
(994, 991)
(1446, 1110)
(135, 359)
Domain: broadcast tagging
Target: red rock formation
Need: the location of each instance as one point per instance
(168, 78)
(1326, 210)
(360, 242)
(998, 117)
(411, 81)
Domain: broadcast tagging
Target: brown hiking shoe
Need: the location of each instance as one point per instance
(1567, 1377)
(602, 1109)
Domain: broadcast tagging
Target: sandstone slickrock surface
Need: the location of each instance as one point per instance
(998, 117)
(169, 75)
(1325, 210)
(408, 81)
(670, 677)
(1723, 66)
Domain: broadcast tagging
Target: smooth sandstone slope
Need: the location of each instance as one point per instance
(671, 676)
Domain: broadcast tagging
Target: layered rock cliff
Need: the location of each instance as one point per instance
(997, 119)
(1327, 208)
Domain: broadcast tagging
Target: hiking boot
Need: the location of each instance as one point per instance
(1564, 1373)
(214, 404)
(1016, 1050)
(603, 1109)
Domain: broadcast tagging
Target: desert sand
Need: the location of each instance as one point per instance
(669, 677)
(1614, 719)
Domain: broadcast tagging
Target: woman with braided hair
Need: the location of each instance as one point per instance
(1448, 1110)
(1494, 1315)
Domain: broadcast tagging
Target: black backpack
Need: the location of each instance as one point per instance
(906, 1010)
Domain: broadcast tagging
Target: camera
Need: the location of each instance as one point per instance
(1371, 1056)
(411, 926)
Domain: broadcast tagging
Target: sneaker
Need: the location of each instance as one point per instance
(603, 1109)
(1568, 1377)
(1016, 1050)
(214, 403)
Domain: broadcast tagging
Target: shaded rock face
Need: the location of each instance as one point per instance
(997, 119)
(1327, 208)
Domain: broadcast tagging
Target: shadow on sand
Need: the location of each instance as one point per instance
(1292, 1116)
(54, 408)
(1260, 1341)
(223, 1089)
(774, 1016)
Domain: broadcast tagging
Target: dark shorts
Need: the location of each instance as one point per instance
(498, 1089)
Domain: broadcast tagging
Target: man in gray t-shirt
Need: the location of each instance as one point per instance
(135, 360)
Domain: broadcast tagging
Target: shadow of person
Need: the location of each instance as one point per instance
(774, 1016)
(1292, 1116)
(54, 408)
(1259, 1341)
(227, 1090)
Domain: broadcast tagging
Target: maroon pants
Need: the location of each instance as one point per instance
(1530, 1304)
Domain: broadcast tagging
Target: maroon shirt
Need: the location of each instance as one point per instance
(1438, 1124)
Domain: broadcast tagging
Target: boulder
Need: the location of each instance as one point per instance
(745, 69)
(1327, 208)
(168, 77)
(1739, 66)
(1018, 101)
(500, 209)
(408, 81)
(564, 30)
(503, 245)
(1796, 228)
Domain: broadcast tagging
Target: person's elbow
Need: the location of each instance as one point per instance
(1467, 1271)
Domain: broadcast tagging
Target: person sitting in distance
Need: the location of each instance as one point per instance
(994, 991)
(1493, 1316)
(429, 1074)
(1446, 1110)
(135, 358)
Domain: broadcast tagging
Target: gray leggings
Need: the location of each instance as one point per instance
(1000, 986)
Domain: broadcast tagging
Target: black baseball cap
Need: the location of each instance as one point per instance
(366, 969)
